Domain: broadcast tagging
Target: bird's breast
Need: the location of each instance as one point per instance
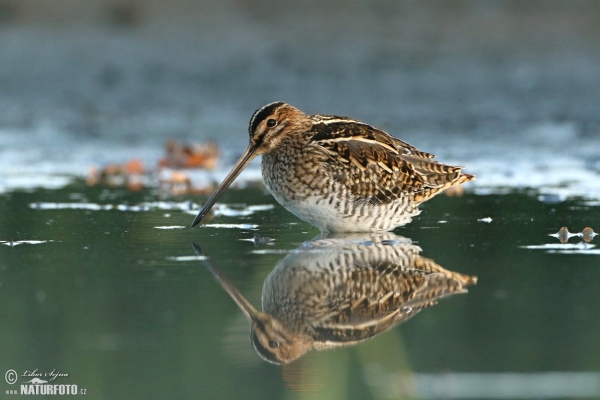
(294, 175)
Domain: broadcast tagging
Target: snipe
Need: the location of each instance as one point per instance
(336, 292)
(339, 174)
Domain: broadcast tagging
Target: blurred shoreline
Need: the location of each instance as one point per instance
(508, 89)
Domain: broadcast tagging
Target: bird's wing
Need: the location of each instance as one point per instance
(366, 317)
(374, 311)
(374, 165)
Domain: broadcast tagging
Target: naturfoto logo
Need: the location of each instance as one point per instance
(40, 383)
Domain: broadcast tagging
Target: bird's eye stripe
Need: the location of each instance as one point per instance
(261, 114)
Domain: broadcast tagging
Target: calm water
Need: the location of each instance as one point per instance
(117, 298)
(105, 286)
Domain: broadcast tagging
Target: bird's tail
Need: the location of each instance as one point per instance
(445, 182)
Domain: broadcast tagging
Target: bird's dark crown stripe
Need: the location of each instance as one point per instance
(262, 350)
(261, 114)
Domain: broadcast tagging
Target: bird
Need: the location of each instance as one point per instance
(337, 173)
(339, 291)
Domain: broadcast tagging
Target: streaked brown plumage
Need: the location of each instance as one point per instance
(339, 174)
(339, 291)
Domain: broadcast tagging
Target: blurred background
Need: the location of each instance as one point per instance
(511, 89)
(101, 282)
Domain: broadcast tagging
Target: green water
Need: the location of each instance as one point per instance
(129, 312)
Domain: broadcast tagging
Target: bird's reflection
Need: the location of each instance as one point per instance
(340, 290)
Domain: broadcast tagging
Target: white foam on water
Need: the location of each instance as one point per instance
(187, 258)
(72, 206)
(229, 226)
(13, 243)
(225, 210)
(271, 251)
(582, 251)
(560, 246)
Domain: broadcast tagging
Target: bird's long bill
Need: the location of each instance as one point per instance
(249, 311)
(242, 163)
(231, 290)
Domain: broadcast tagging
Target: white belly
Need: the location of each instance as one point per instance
(328, 204)
(329, 218)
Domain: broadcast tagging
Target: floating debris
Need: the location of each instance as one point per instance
(130, 174)
(258, 240)
(563, 234)
(176, 183)
(170, 227)
(486, 220)
(134, 176)
(588, 234)
(180, 155)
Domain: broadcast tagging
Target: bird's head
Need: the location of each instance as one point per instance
(272, 123)
(275, 343)
(268, 126)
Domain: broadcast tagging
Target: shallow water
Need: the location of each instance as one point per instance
(115, 295)
(105, 285)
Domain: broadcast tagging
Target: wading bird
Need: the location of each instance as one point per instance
(337, 173)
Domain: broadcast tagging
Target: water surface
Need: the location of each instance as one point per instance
(115, 295)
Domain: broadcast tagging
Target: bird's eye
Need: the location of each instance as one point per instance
(273, 344)
(271, 122)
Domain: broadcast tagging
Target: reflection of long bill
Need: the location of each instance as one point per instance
(235, 294)
(242, 163)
